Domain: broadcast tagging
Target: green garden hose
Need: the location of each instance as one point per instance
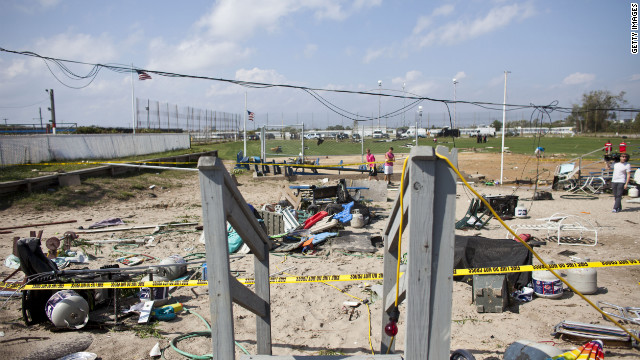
(207, 333)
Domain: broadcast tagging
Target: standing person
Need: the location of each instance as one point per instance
(620, 180)
(608, 147)
(623, 147)
(371, 162)
(389, 158)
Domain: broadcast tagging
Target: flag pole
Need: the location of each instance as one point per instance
(245, 123)
(133, 104)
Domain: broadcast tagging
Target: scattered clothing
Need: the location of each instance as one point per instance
(107, 222)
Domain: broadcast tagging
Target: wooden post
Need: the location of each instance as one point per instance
(217, 248)
(429, 208)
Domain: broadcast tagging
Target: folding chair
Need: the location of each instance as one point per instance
(472, 219)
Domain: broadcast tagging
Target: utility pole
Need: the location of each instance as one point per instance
(53, 110)
(41, 126)
(504, 117)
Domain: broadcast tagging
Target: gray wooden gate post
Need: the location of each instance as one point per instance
(222, 202)
(429, 212)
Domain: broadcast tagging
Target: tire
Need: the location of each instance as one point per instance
(461, 354)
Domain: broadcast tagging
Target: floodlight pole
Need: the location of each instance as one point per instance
(504, 117)
(420, 115)
(245, 125)
(379, 101)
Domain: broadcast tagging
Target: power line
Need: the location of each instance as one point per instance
(92, 74)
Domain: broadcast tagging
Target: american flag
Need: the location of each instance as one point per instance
(251, 115)
(143, 75)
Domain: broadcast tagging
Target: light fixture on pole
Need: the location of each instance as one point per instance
(419, 115)
(455, 82)
(504, 116)
(379, 100)
(404, 98)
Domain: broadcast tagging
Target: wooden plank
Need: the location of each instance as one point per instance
(388, 282)
(262, 288)
(217, 249)
(233, 191)
(391, 259)
(246, 298)
(443, 246)
(390, 298)
(322, 357)
(243, 225)
(419, 295)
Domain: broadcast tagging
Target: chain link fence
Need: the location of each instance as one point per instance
(201, 124)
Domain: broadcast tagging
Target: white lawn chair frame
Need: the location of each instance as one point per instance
(558, 223)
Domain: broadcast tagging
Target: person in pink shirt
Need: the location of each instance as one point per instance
(389, 158)
(371, 162)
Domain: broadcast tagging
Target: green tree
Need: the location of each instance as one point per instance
(596, 110)
(496, 124)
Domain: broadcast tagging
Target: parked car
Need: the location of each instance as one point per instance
(342, 136)
(312, 136)
(253, 137)
(269, 136)
(377, 134)
(355, 136)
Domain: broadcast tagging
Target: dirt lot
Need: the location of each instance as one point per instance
(308, 319)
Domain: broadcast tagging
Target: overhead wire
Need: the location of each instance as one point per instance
(251, 84)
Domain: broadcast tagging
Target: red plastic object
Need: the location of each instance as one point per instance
(314, 219)
(391, 329)
(524, 237)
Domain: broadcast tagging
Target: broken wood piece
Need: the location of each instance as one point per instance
(36, 225)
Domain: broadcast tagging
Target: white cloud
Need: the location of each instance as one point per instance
(635, 77)
(48, 3)
(578, 78)
(239, 19)
(80, 47)
(462, 30)
(443, 10)
(409, 77)
(269, 76)
(373, 54)
(425, 21)
(15, 68)
(460, 75)
(310, 50)
(195, 54)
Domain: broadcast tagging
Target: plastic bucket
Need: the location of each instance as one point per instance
(634, 192)
(67, 308)
(546, 285)
(521, 211)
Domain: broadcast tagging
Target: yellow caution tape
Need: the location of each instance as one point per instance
(315, 278)
(139, 284)
(524, 268)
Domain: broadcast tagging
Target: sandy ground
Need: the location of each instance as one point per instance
(308, 319)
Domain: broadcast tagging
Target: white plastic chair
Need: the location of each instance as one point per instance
(561, 222)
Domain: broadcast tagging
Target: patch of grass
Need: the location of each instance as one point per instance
(327, 352)
(121, 195)
(148, 330)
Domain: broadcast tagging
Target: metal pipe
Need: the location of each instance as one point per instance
(152, 167)
(41, 224)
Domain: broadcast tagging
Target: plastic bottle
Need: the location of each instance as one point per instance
(167, 312)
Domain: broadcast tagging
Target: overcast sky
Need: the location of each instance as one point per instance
(555, 50)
